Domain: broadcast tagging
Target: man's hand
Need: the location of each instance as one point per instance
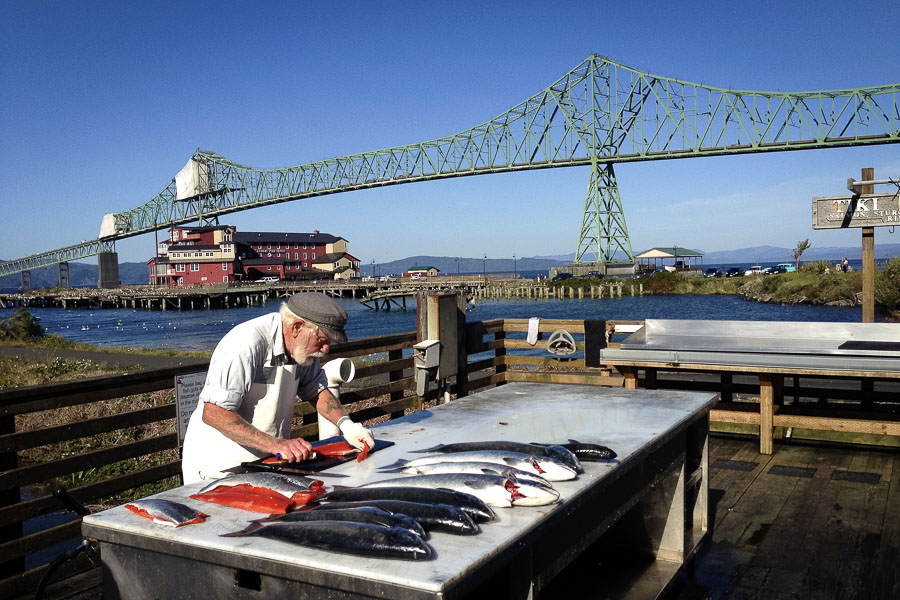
(293, 450)
(356, 435)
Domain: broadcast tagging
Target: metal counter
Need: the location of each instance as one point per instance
(656, 489)
(826, 346)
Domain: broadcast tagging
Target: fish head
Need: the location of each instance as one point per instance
(523, 493)
(552, 470)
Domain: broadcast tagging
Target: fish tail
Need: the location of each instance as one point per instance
(394, 467)
(249, 529)
(432, 449)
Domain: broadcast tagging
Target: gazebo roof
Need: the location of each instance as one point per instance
(673, 252)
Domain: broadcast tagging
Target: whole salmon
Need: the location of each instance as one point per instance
(548, 468)
(365, 539)
(471, 505)
(360, 514)
(442, 517)
(495, 490)
(549, 450)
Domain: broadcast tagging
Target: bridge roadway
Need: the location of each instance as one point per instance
(222, 296)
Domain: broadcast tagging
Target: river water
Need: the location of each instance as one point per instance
(201, 329)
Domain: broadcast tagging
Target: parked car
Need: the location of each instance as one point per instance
(788, 267)
(387, 279)
(776, 269)
(596, 274)
(755, 270)
(561, 276)
(734, 272)
(712, 272)
(268, 280)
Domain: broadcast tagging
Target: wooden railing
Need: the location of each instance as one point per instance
(384, 388)
(37, 460)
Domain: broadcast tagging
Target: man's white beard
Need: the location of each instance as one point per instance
(301, 357)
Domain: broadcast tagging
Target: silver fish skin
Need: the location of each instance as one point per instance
(168, 512)
(349, 537)
(440, 517)
(548, 468)
(360, 514)
(557, 452)
(471, 505)
(495, 490)
(286, 485)
(487, 468)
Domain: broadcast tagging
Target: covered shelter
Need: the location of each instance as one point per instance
(670, 259)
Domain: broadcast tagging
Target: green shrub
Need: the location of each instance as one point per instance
(21, 326)
(887, 284)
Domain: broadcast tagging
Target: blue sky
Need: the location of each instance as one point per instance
(103, 102)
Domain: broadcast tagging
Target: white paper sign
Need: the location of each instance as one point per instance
(187, 394)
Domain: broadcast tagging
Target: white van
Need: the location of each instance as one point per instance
(269, 279)
(755, 270)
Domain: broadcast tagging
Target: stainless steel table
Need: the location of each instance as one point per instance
(652, 500)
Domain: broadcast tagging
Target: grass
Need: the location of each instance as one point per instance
(808, 285)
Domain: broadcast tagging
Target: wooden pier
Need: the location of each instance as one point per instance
(373, 294)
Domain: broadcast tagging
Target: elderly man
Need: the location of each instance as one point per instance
(256, 372)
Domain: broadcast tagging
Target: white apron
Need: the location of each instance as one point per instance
(268, 406)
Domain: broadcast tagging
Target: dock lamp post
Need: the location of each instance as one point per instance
(515, 269)
(373, 267)
(483, 268)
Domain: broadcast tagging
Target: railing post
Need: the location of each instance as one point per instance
(10, 497)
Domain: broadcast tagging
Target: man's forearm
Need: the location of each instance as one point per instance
(328, 406)
(236, 429)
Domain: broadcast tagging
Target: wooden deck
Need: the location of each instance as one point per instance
(809, 521)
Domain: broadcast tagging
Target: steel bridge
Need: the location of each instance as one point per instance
(598, 114)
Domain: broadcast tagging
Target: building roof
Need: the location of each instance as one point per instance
(185, 247)
(672, 252)
(256, 237)
(330, 257)
(423, 268)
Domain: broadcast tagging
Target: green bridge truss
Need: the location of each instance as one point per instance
(598, 114)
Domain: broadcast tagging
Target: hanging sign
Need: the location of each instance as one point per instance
(187, 394)
(867, 210)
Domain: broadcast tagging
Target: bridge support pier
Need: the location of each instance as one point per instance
(108, 267)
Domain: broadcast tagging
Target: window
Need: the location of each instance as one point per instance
(226, 248)
(225, 267)
(224, 278)
(209, 254)
(198, 254)
(269, 268)
(296, 255)
(179, 267)
(314, 256)
(304, 247)
(269, 246)
(195, 266)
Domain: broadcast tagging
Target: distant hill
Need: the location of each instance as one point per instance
(451, 265)
(80, 275)
(773, 254)
(85, 274)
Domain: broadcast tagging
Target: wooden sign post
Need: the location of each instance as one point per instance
(867, 210)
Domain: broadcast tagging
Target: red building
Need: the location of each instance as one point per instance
(194, 256)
